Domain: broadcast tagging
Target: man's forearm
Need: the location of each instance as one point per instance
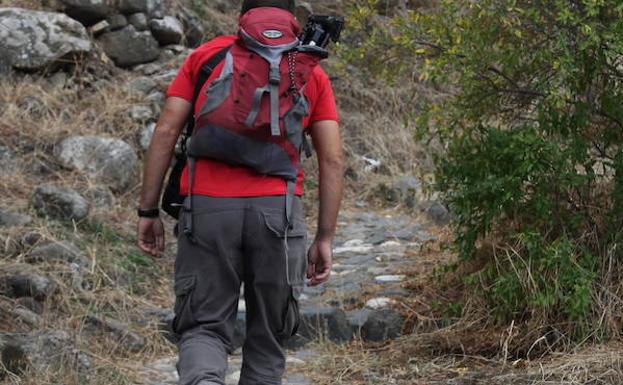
(157, 162)
(161, 149)
(330, 196)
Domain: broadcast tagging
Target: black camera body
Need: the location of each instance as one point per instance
(320, 30)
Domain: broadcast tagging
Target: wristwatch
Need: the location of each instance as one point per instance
(148, 213)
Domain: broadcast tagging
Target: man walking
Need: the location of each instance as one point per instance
(241, 225)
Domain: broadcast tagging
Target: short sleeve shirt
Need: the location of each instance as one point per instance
(218, 179)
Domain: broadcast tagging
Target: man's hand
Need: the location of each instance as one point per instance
(328, 145)
(151, 236)
(319, 262)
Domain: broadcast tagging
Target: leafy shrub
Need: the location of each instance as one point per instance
(529, 117)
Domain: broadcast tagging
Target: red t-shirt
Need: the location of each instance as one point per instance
(218, 179)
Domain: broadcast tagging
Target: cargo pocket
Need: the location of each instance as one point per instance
(184, 317)
(291, 318)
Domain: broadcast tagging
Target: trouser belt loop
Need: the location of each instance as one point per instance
(188, 207)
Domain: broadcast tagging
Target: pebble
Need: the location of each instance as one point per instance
(380, 303)
(390, 278)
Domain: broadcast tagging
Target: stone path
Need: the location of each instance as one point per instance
(371, 252)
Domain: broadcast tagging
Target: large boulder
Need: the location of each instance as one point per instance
(109, 161)
(59, 202)
(167, 30)
(88, 12)
(32, 40)
(128, 47)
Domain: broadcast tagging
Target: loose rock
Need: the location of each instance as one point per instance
(382, 325)
(59, 202)
(24, 281)
(380, 303)
(439, 213)
(116, 22)
(43, 351)
(167, 30)
(130, 340)
(329, 321)
(128, 47)
(88, 12)
(154, 8)
(101, 197)
(142, 85)
(58, 251)
(11, 219)
(32, 40)
(145, 136)
(109, 161)
(99, 28)
(139, 21)
(141, 113)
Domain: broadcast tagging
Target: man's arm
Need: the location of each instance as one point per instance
(328, 144)
(157, 160)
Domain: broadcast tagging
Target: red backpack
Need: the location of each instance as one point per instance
(253, 112)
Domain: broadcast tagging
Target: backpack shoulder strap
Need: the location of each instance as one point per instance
(206, 70)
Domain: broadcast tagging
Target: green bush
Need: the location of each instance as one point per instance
(528, 112)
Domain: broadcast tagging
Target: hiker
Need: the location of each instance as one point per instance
(242, 222)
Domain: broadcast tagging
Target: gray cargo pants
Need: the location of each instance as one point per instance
(238, 240)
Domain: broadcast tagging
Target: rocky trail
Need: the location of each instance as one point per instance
(372, 252)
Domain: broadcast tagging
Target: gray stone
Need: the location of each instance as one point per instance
(408, 189)
(358, 318)
(58, 80)
(116, 22)
(30, 239)
(130, 340)
(33, 40)
(8, 161)
(59, 203)
(141, 113)
(154, 8)
(167, 30)
(145, 135)
(31, 304)
(109, 161)
(439, 213)
(142, 85)
(99, 28)
(382, 325)
(88, 12)
(328, 321)
(25, 281)
(57, 251)
(157, 98)
(128, 47)
(102, 197)
(139, 21)
(26, 316)
(10, 218)
(44, 351)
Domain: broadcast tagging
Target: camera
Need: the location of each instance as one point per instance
(320, 30)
